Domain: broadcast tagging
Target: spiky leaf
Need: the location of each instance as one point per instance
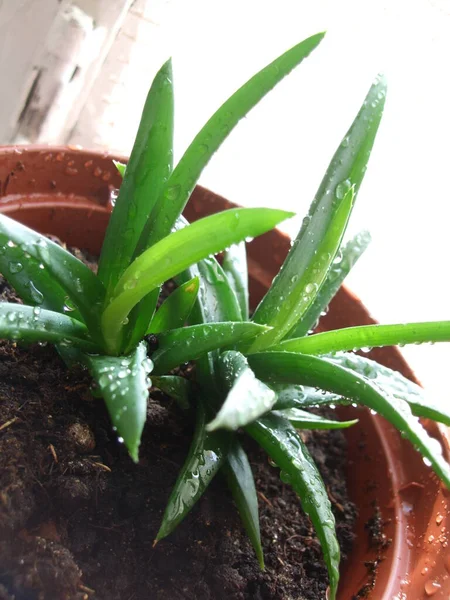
(301, 419)
(339, 269)
(33, 324)
(175, 253)
(179, 187)
(247, 398)
(206, 455)
(123, 383)
(398, 386)
(290, 367)
(235, 267)
(148, 169)
(175, 310)
(368, 336)
(295, 288)
(84, 290)
(285, 447)
(240, 480)
(178, 388)
(189, 343)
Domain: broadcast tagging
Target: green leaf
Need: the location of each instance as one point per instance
(240, 480)
(34, 285)
(285, 447)
(301, 419)
(368, 336)
(33, 324)
(175, 253)
(318, 372)
(124, 385)
(189, 343)
(177, 307)
(397, 385)
(340, 268)
(178, 388)
(247, 399)
(294, 289)
(216, 302)
(121, 167)
(235, 267)
(147, 171)
(82, 287)
(291, 295)
(179, 187)
(207, 454)
(301, 396)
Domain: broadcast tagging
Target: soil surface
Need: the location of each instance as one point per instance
(78, 518)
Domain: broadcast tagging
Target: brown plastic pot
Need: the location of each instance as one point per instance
(66, 192)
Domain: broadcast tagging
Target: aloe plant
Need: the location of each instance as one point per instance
(258, 375)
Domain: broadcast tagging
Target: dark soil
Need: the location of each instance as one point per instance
(78, 518)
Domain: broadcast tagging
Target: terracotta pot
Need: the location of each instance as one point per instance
(66, 191)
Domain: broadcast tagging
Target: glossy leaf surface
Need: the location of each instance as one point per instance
(123, 383)
(34, 285)
(294, 289)
(398, 386)
(302, 396)
(247, 398)
(33, 324)
(178, 388)
(176, 308)
(148, 169)
(240, 480)
(285, 447)
(181, 183)
(339, 269)
(173, 254)
(83, 289)
(188, 343)
(310, 370)
(207, 453)
(368, 336)
(235, 267)
(301, 419)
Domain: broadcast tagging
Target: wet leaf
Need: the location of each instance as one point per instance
(235, 267)
(124, 384)
(207, 454)
(83, 288)
(147, 171)
(189, 343)
(295, 288)
(33, 324)
(339, 269)
(398, 386)
(285, 447)
(289, 367)
(302, 396)
(301, 419)
(247, 398)
(181, 183)
(34, 285)
(368, 336)
(176, 309)
(173, 254)
(240, 480)
(178, 388)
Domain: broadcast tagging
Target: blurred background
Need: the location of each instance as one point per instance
(77, 72)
